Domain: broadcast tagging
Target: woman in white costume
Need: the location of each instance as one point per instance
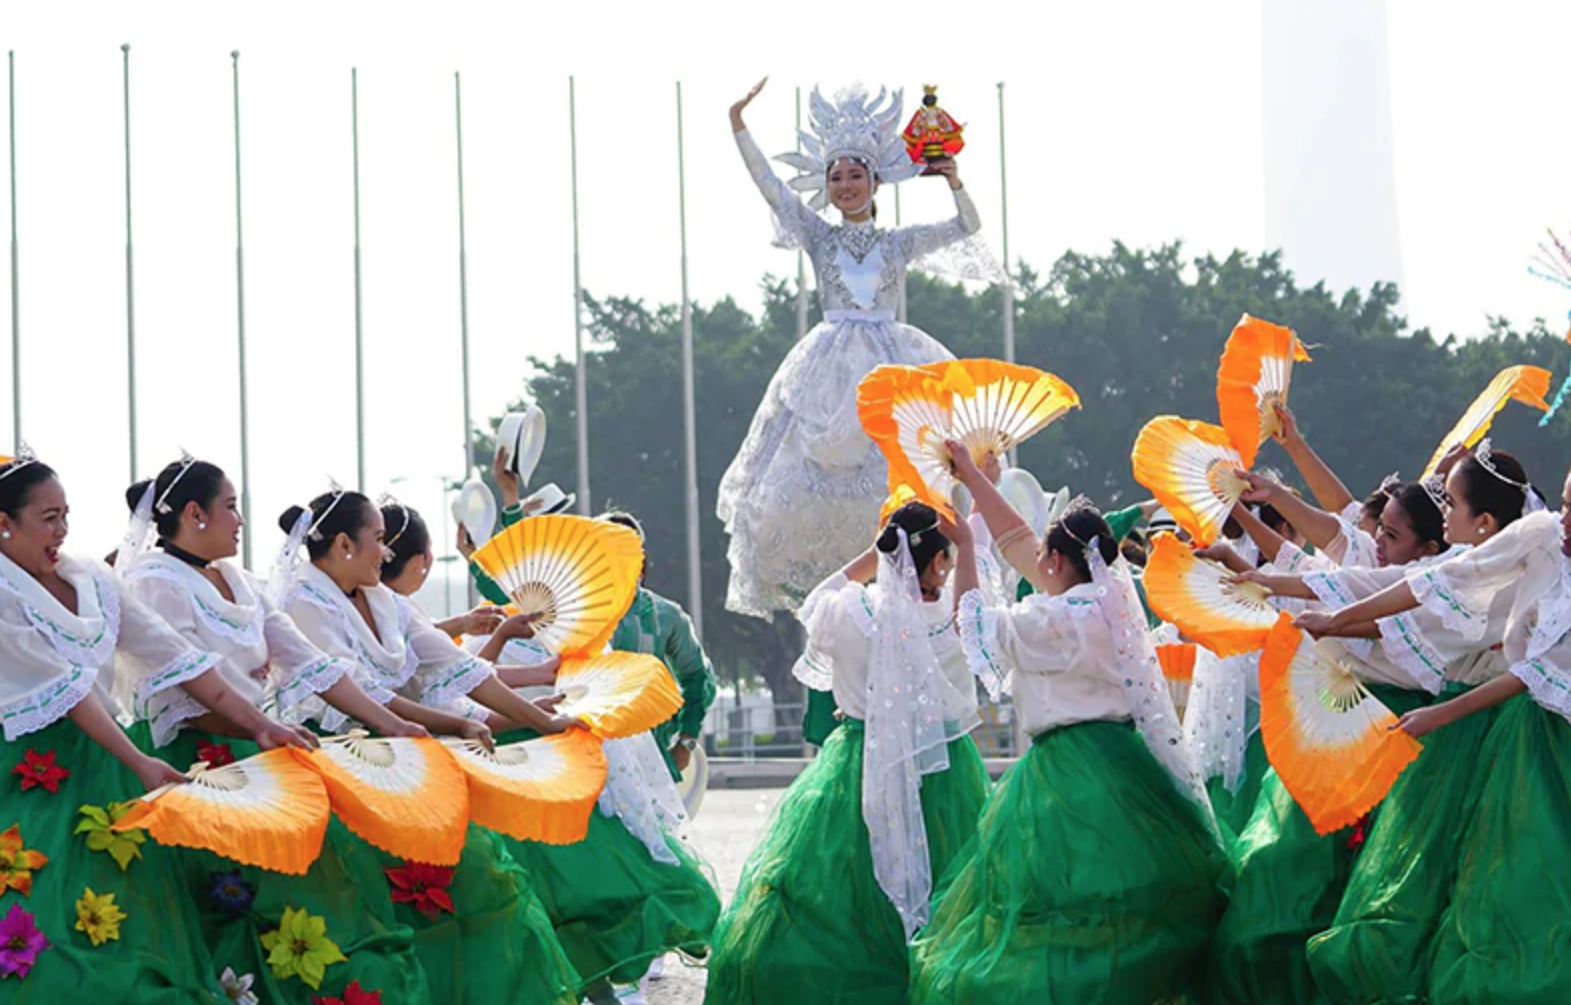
(807, 482)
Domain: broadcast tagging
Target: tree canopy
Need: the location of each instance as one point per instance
(1136, 332)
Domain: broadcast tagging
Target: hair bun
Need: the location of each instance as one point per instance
(134, 494)
(286, 523)
(888, 539)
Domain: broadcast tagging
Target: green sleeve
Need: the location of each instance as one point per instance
(512, 514)
(487, 586)
(688, 663)
(1122, 521)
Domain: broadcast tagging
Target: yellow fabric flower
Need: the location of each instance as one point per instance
(17, 864)
(300, 948)
(97, 824)
(99, 916)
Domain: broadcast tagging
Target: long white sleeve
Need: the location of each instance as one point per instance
(923, 239)
(795, 219)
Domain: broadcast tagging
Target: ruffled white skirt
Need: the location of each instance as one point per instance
(801, 498)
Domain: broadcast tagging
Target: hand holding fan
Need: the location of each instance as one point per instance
(1194, 594)
(987, 405)
(267, 811)
(537, 790)
(1334, 745)
(1527, 384)
(1178, 667)
(618, 694)
(1256, 371)
(405, 796)
(579, 576)
(1193, 470)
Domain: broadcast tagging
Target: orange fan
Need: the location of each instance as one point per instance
(1178, 666)
(987, 405)
(898, 497)
(1193, 470)
(618, 694)
(267, 811)
(1527, 384)
(1194, 594)
(1256, 370)
(1333, 744)
(579, 576)
(538, 790)
(406, 796)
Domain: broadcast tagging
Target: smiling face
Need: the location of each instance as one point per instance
(356, 562)
(1398, 543)
(32, 538)
(851, 188)
(212, 532)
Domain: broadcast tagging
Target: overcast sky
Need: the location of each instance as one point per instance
(1133, 121)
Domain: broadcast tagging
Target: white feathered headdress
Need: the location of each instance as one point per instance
(853, 125)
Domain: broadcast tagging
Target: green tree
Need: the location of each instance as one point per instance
(1137, 332)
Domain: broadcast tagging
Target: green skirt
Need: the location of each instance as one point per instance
(1233, 809)
(345, 887)
(818, 719)
(1287, 886)
(615, 909)
(1507, 938)
(809, 922)
(158, 957)
(1378, 948)
(1092, 879)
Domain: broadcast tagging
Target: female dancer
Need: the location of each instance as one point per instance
(193, 584)
(496, 937)
(807, 479)
(114, 924)
(1094, 875)
(1503, 937)
(844, 875)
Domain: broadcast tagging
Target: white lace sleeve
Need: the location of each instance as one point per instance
(838, 617)
(153, 660)
(796, 225)
(38, 686)
(1036, 635)
(1460, 591)
(299, 669)
(953, 248)
(447, 672)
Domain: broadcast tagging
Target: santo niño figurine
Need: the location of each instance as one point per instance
(932, 134)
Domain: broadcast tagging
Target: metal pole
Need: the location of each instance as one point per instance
(580, 383)
(695, 594)
(1008, 286)
(801, 257)
(16, 288)
(900, 304)
(354, 126)
(130, 299)
(463, 288)
(245, 402)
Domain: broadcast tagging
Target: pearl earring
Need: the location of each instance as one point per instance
(201, 525)
(1482, 531)
(349, 555)
(5, 534)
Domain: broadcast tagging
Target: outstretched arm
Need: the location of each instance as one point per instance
(1324, 485)
(1389, 602)
(1318, 527)
(795, 218)
(1423, 721)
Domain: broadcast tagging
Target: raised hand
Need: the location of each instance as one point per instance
(736, 109)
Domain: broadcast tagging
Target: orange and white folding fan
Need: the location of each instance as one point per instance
(1194, 594)
(537, 790)
(1333, 743)
(898, 496)
(267, 811)
(1256, 370)
(578, 575)
(617, 694)
(1527, 384)
(985, 404)
(1193, 470)
(1178, 666)
(404, 795)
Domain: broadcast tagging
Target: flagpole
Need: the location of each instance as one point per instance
(580, 384)
(801, 256)
(1008, 286)
(900, 303)
(245, 402)
(695, 594)
(463, 277)
(354, 126)
(16, 287)
(130, 298)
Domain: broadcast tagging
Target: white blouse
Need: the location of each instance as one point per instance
(50, 658)
(263, 656)
(838, 617)
(405, 655)
(1057, 651)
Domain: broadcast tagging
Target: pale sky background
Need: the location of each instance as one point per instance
(1141, 122)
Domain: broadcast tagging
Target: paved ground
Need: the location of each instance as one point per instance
(727, 827)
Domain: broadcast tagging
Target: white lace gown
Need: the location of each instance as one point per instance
(802, 495)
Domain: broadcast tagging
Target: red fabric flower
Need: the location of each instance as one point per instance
(215, 754)
(354, 994)
(424, 886)
(40, 770)
(1355, 840)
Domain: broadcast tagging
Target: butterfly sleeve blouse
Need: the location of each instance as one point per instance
(51, 658)
(264, 657)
